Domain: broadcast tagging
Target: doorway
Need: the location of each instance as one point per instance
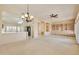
(29, 30)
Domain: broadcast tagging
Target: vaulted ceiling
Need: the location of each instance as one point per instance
(9, 13)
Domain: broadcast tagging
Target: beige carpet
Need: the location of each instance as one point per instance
(46, 45)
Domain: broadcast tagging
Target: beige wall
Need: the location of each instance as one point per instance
(1, 25)
(42, 28)
(77, 28)
(1, 22)
(63, 27)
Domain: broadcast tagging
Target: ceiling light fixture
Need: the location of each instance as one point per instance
(27, 16)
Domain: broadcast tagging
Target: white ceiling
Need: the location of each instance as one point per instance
(10, 13)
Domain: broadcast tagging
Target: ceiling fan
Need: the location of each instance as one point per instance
(53, 15)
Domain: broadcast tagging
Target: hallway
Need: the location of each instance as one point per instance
(54, 44)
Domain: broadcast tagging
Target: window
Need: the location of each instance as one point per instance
(12, 29)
